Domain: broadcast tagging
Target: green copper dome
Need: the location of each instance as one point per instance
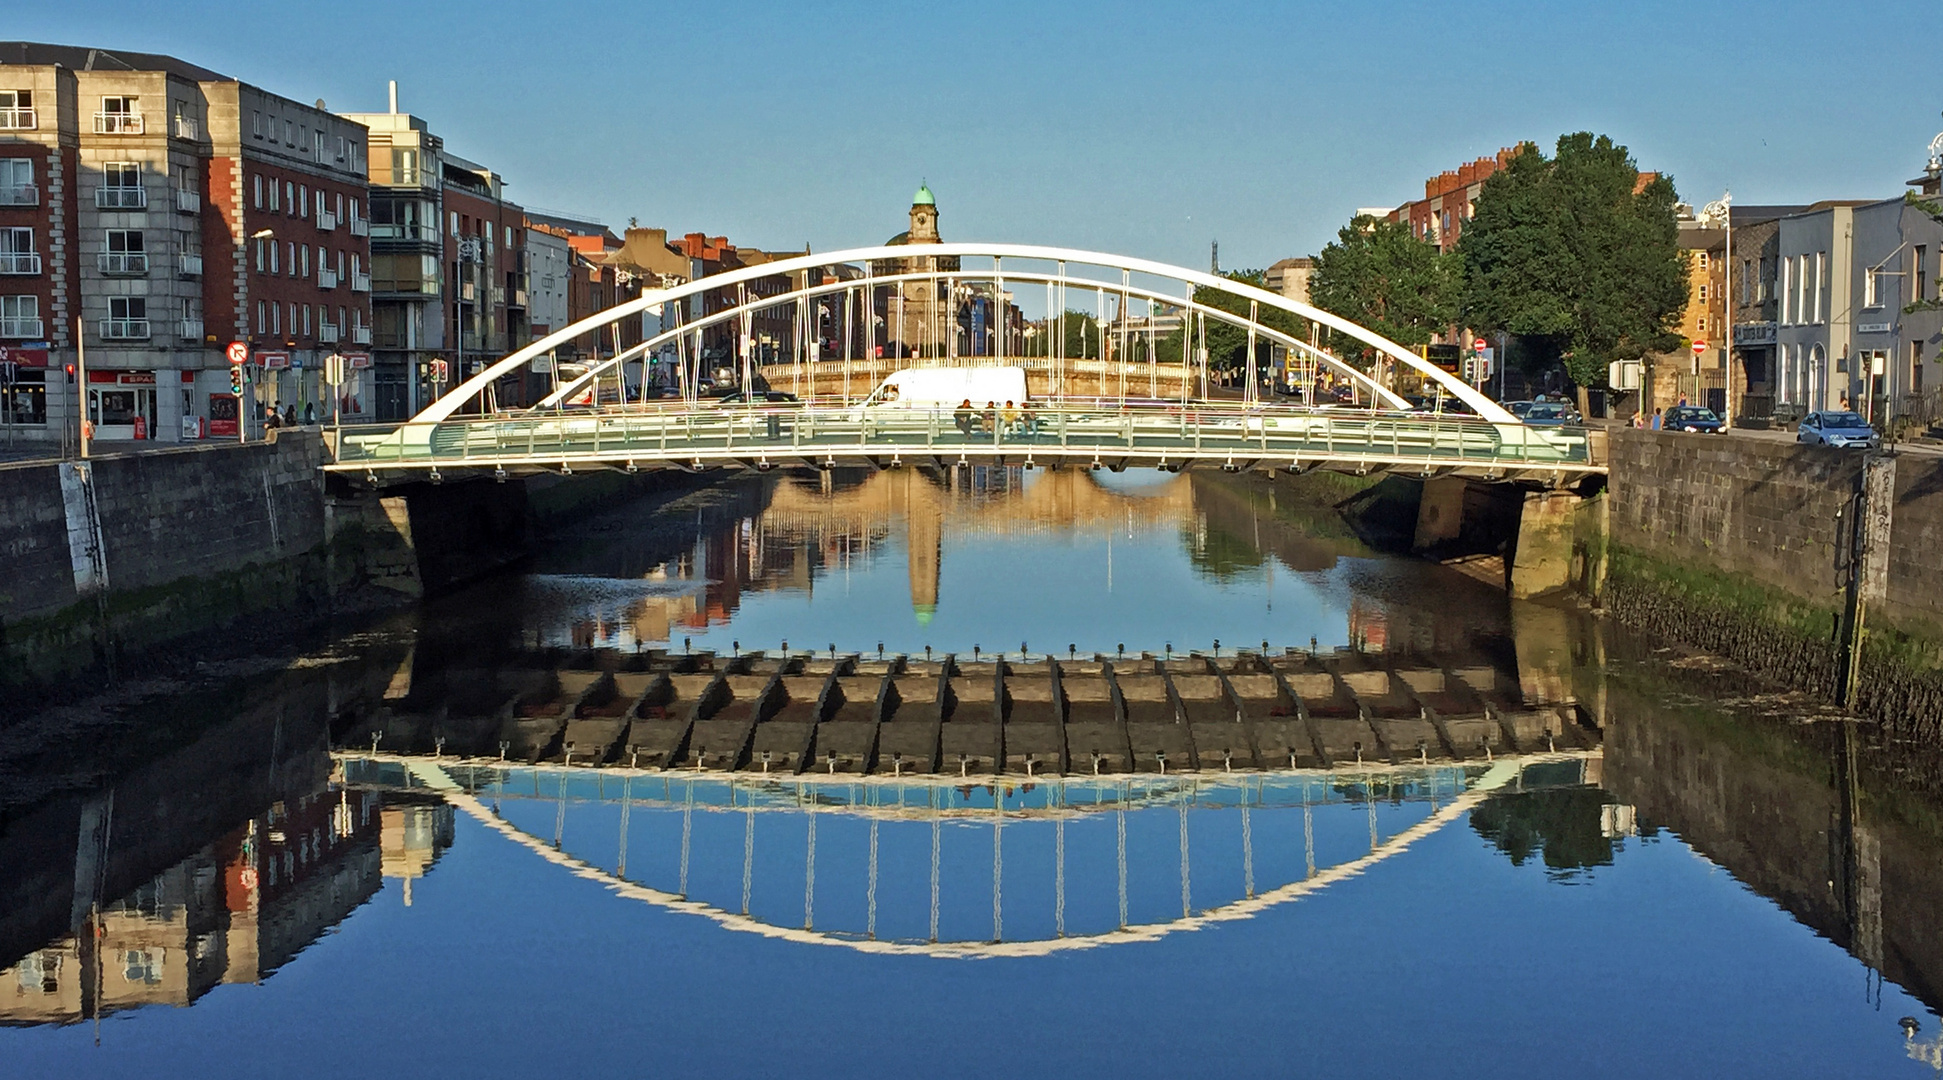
(924, 196)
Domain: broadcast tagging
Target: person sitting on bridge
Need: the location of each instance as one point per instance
(965, 418)
(1028, 421)
(1013, 421)
(991, 417)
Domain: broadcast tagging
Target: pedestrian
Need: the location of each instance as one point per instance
(290, 415)
(272, 421)
(1028, 420)
(1639, 420)
(964, 417)
(310, 413)
(1683, 401)
(1655, 425)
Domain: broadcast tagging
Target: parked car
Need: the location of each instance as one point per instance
(760, 397)
(1692, 418)
(1517, 408)
(1549, 414)
(1837, 428)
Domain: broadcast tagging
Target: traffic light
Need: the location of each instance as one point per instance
(236, 379)
(69, 368)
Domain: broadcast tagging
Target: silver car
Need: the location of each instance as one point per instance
(1837, 428)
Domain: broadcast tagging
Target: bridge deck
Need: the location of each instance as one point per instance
(1088, 434)
(784, 716)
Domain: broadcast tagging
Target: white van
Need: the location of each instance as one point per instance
(946, 388)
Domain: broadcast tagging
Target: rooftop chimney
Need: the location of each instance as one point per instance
(394, 97)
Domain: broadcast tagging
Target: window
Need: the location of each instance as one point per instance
(276, 319)
(289, 133)
(17, 182)
(25, 402)
(120, 115)
(290, 198)
(1703, 293)
(275, 268)
(293, 318)
(340, 264)
(305, 249)
(1919, 277)
(125, 242)
(262, 320)
(340, 148)
(273, 196)
(1915, 367)
(290, 252)
(127, 308)
(17, 110)
(20, 317)
(306, 309)
(319, 145)
(404, 166)
(340, 318)
(1747, 284)
(1703, 260)
(455, 223)
(1821, 276)
(303, 201)
(259, 256)
(256, 123)
(1872, 287)
(256, 192)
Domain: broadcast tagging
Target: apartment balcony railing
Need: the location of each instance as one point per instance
(124, 263)
(468, 291)
(519, 298)
(188, 127)
(327, 333)
(124, 330)
(360, 226)
(18, 120)
(19, 195)
(189, 265)
(428, 287)
(118, 123)
(121, 198)
(188, 202)
(426, 233)
(190, 329)
(326, 220)
(19, 262)
(31, 329)
(360, 335)
(326, 278)
(360, 282)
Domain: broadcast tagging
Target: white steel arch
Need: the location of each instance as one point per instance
(567, 390)
(1499, 776)
(451, 402)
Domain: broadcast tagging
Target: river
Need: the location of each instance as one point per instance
(357, 855)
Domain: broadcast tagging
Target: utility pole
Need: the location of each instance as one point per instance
(81, 384)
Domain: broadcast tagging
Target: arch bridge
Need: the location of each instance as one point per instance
(1157, 415)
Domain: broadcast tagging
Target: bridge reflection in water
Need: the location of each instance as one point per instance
(968, 870)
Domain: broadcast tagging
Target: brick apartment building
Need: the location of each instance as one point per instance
(153, 212)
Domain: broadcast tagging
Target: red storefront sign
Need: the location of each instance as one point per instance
(14, 354)
(357, 361)
(123, 378)
(273, 361)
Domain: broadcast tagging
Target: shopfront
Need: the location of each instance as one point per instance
(23, 387)
(121, 404)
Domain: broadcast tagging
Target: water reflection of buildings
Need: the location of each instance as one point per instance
(233, 912)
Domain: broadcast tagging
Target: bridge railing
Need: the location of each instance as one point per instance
(1106, 429)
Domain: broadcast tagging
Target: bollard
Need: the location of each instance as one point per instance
(685, 643)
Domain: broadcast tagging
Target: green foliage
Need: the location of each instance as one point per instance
(1567, 256)
(1561, 824)
(1381, 276)
(1934, 208)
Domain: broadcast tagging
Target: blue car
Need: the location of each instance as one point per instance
(1837, 428)
(1691, 418)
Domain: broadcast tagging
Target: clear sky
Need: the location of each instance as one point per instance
(1143, 127)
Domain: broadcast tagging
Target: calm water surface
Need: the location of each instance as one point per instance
(309, 866)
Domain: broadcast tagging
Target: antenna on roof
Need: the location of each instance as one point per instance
(394, 97)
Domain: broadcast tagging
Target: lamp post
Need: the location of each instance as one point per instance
(242, 412)
(1720, 210)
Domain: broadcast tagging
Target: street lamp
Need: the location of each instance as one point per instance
(1719, 211)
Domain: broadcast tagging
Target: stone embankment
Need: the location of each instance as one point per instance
(1790, 560)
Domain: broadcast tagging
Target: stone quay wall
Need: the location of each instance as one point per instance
(1744, 547)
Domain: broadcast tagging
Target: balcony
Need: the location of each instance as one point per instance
(124, 329)
(187, 202)
(19, 262)
(19, 195)
(18, 120)
(519, 298)
(327, 333)
(121, 198)
(360, 335)
(30, 329)
(189, 265)
(326, 220)
(326, 278)
(498, 296)
(468, 292)
(190, 329)
(360, 282)
(360, 226)
(118, 123)
(124, 264)
(188, 127)
(424, 288)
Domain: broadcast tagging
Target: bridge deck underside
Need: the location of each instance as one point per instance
(1165, 438)
(786, 716)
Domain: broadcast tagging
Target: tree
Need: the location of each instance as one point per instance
(1577, 257)
(1381, 276)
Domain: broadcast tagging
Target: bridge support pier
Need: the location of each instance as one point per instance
(1561, 544)
(1440, 513)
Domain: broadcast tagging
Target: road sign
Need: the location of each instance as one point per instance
(1699, 347)
(1478, 345)
(334, 369)
(238, 352)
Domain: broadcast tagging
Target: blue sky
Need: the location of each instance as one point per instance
(1146, 128)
